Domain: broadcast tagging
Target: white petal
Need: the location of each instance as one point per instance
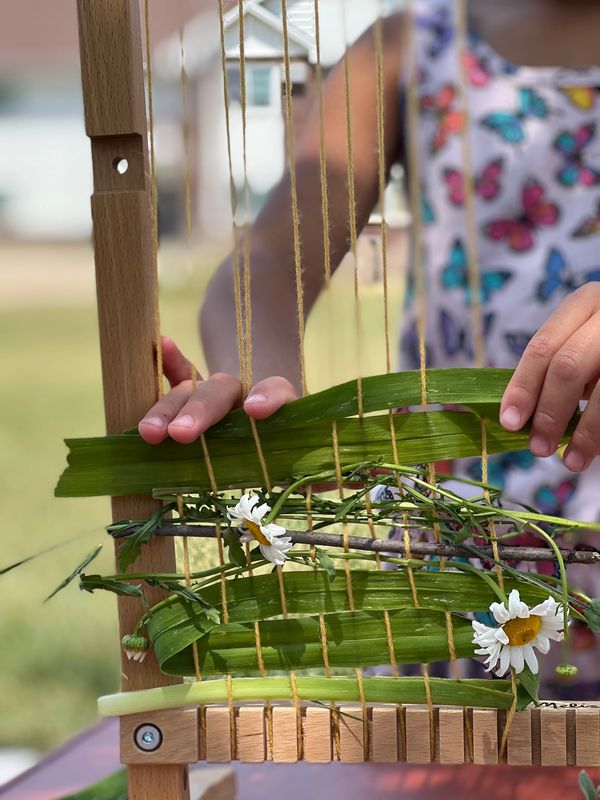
(272, 530)
(516, 658)
(504, 662)
(273, 554)
(246, 538)
(549, 606)
(530, 658)
(260, 512)
(247, 503)
(501, 636)
(516, 606)
(541, 642)
(552, 627)
(514, 603)
(500, 612)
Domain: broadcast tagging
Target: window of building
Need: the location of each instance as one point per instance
(260, 86)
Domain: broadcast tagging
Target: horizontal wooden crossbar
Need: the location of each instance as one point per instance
(552, 735)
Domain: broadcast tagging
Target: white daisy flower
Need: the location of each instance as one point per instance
(271, 538)
(519, 630)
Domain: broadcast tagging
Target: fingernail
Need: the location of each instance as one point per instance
(510, 418)
(154, 422)
(255, 399)
(574, 460)
(540, 446)
(184, 422)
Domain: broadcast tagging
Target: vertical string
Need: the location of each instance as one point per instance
(247, 350)
(472, 251)
(469, 187)
(291, 148)
(325, 214)
(412, 92)
(233, 200)
(183, 81)
(188, 583)
(153, 200)
(379, 81)
(472, 247)
(378, 34)
(352, 215)
(322, 154)
(349, 589)
(246, 225)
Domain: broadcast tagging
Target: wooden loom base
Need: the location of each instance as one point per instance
(561, 735)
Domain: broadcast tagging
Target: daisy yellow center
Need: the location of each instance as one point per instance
(522, 631)
(256, 532)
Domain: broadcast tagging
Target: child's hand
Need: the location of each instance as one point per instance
(560, 367)
(185, 413)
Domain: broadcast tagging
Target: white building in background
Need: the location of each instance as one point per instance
(341, 21)
(45, 164)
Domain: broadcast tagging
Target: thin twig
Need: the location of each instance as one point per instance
(575, 556)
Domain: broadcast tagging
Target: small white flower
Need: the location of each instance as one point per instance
(519, 630)
(271, 538)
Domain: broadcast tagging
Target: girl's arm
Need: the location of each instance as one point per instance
(184, 413)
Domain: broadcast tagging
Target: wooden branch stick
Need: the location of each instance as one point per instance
(395, 545)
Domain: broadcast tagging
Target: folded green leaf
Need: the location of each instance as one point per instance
(174, 626)
(297, 440)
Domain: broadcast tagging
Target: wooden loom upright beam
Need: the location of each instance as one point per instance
(115, 120)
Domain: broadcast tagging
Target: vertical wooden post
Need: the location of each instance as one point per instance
(115, 119)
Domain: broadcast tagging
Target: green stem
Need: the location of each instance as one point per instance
(444, 691)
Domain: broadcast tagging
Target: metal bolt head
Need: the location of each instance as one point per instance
(148, 737)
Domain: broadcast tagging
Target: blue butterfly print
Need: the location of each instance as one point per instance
(517, 341)
(455, 275)
(427, 213)
(552, 499)
(571, 146)
(409, 347)
(439, 24)
(456, 338)
(409, 289)
(499, 467)
(558, 277)
(510, 124)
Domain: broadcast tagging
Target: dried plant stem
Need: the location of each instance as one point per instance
(574, 556)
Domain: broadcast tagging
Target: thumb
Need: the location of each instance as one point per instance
(176, 367)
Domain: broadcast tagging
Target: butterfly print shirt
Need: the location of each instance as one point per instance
(534, 139)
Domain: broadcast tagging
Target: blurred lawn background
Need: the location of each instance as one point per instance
(57, 657)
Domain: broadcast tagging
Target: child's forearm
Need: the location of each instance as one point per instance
(275, 340)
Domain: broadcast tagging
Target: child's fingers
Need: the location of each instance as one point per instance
(569, 371)
(585, 442)
(209, 403)
(153, 428)
(524, 389)
(267, 396)
(176, 366)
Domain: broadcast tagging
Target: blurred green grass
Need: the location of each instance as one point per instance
(57, 657)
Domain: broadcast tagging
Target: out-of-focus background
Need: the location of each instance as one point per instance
(57, 657)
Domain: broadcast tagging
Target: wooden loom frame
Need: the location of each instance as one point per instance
(115, 118)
